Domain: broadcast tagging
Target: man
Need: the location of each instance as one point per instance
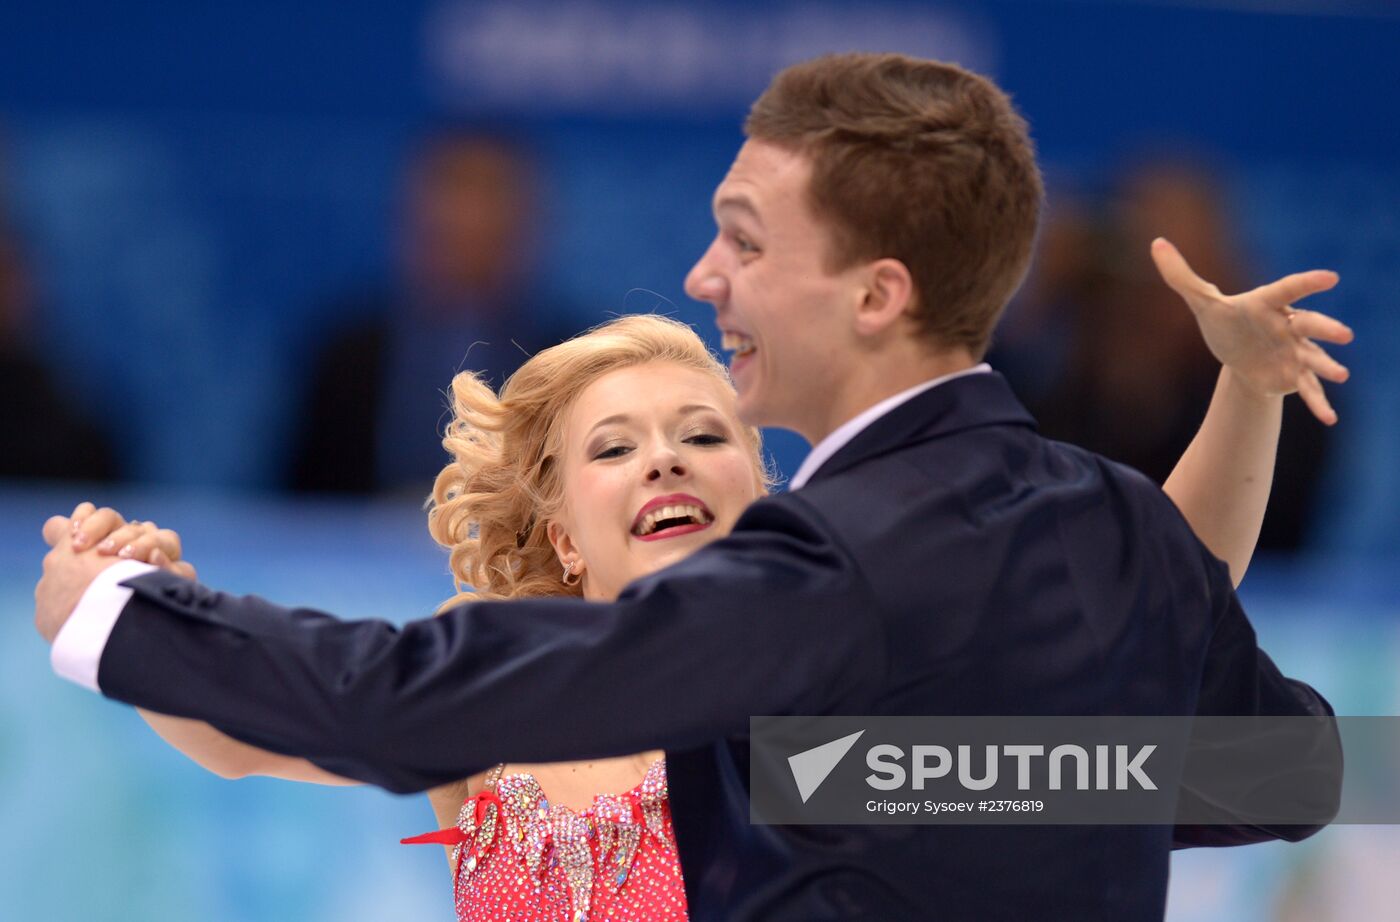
(934, 555)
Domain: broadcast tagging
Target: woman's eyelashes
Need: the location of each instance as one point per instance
(619, 450)
(611, 451)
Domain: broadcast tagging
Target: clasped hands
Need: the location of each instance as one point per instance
(86, 542)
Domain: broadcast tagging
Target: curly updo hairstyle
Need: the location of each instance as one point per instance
(492, 503)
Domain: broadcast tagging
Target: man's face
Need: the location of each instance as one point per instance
(787, 321)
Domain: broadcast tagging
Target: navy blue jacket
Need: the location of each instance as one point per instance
(948, 560)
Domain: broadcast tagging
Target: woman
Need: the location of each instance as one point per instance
(606, 458)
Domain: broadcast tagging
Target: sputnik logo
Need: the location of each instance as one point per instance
(812, 766)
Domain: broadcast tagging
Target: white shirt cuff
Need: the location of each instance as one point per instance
(77, 650)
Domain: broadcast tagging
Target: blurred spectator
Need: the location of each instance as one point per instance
(1110, 358)
(47, 436)
(460, 300)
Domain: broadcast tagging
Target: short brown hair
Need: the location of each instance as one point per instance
(919, 161)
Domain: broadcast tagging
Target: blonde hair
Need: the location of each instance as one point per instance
(492, 503)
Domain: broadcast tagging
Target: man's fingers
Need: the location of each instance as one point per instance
(1320, 326)
(1298, 286)
(1177, 273)
(178, 567)
(1323, 365)
(169, 543)
(56, 529)
(1310, 389)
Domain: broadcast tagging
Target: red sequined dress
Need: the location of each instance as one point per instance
(519, 857)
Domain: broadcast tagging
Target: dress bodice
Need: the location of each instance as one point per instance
(519, 857)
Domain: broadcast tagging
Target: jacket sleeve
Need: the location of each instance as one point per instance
(769, 620)
(1241, 680)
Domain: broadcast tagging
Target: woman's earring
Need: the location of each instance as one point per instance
(569, 571)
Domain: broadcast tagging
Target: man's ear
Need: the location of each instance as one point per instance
(888, 293)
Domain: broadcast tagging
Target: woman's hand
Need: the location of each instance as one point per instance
(1267, 344)
(110, 534)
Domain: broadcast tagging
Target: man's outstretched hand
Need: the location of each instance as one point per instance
(83, 545)
(1270, 346)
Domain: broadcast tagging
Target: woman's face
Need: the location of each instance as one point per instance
(655, 464)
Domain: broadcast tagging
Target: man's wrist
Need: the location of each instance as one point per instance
(77, 648)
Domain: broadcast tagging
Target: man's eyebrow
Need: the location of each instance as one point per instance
(737, 202)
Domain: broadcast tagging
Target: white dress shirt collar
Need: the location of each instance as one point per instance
(823, 450)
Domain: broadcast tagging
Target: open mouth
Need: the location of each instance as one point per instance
(670, 516)
(737, 343)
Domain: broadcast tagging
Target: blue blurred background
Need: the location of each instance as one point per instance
(244, 247)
